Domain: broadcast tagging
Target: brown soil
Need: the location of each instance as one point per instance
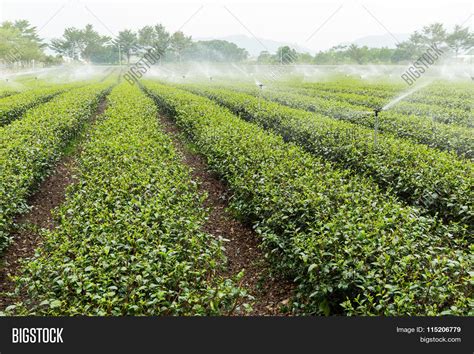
(242, 248)
(26, 235)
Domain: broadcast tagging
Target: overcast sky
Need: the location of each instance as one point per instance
(313, 24)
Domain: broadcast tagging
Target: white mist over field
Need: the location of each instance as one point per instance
(309, 73)
(242, 72)
(59, 74)
(265, 75)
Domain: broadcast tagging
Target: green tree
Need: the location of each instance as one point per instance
(106, 54)
(335, 55)
(28, 31)
(356, 53)
(286, 55)
(264, 57)
(70, 45)
(154, 37)
(460, 39)
(19, 43)
(305, 58)
(179, 42)
(216, 50)
(93, 43)
(50, 60)
(128, 42)
(434, 34)
(86, 44)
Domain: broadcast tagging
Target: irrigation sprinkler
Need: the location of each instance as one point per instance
(376, 125)
(260, 93)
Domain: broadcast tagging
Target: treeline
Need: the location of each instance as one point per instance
(458, 41)
(20, 46)
(89, 46)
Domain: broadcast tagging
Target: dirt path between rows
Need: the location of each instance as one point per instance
(49, 195)
(242, 249)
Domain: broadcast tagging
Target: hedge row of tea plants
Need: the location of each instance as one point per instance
(7, 93)
(350, 86)
(29, 146)
(349, 247)
(442, 94)
(442, 136)
(13, 107)
(434, 180)
(419, 129)
(129, 239)
(438, 113)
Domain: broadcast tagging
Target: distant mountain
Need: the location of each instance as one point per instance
(254, 47)
(379, 41)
